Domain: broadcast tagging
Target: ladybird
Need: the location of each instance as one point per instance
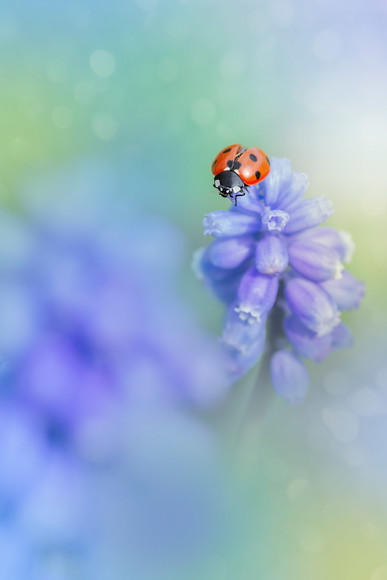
(236, 168)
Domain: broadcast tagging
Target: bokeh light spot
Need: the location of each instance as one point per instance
(102, 63)
(62, 117)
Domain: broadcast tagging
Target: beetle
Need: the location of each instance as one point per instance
(236, 168)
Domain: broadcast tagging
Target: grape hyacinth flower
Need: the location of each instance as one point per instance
(281, 277)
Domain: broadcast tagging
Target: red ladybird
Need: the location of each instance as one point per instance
(236, 168)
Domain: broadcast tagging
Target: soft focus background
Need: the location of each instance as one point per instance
(112, 425)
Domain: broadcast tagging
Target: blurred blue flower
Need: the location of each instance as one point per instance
(276, 271)
(100, 363)
(87, 292)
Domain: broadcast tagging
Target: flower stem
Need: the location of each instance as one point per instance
(255, 399)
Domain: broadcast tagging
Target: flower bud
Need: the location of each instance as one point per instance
(314, 261)
(230, 223)
(239, 362)
(346, 292)
(279, 177)
(231, 252)
(256, 295)
(308, 213)
(312, 305)
(223, 283)
(271, 255)
(306, 342)
(339, 241)
(296, 188)
(341, 337)
(240, 334)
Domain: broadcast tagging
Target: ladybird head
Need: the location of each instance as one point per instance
(228, 183)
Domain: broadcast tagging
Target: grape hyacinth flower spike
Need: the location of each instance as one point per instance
(281, 277)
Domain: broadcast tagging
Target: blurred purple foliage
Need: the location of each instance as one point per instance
(102, 460)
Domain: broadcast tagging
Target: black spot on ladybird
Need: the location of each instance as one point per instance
(253, 157)
(258, 174)
(227, 150)
(230, 164)
(237, 164)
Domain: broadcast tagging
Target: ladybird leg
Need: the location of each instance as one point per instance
(244, 191)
